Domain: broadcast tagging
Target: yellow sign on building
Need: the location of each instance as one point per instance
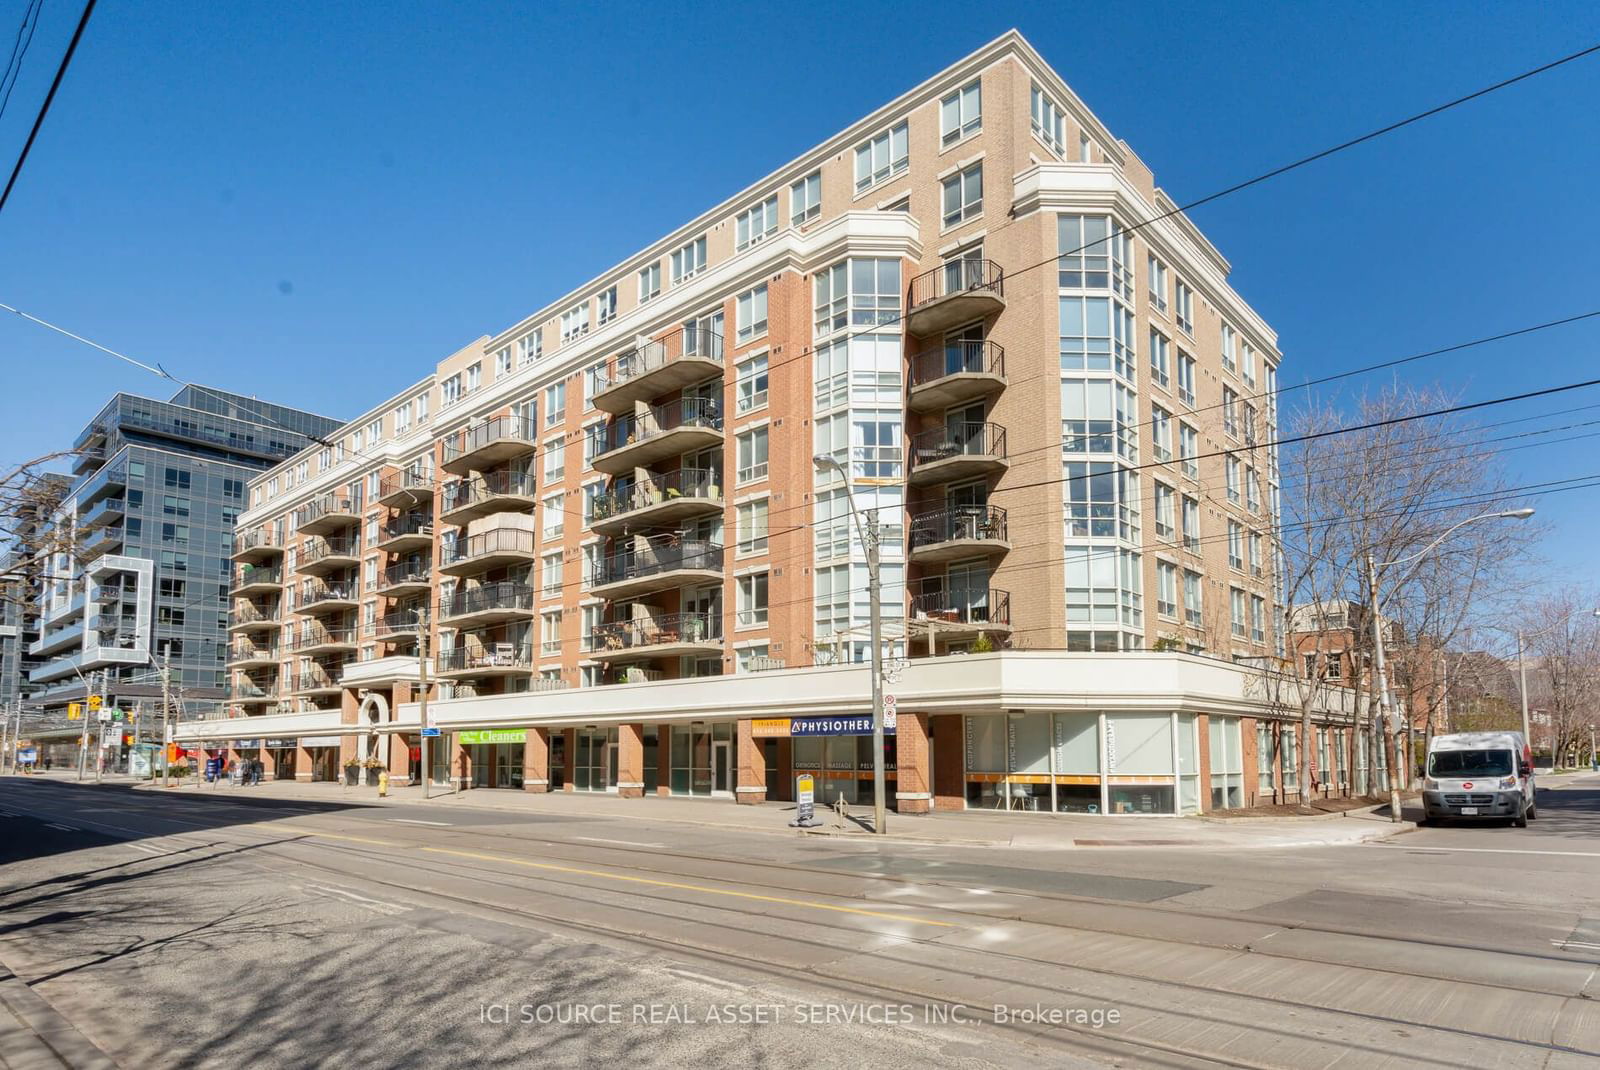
(74, 711)
(94, 702)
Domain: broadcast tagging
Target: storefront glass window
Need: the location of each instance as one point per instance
(1139, 751)
(1077, 756)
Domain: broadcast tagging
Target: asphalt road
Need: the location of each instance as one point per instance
(194, 931)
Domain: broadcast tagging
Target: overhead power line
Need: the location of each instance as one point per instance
(19, 51)
(44, 109)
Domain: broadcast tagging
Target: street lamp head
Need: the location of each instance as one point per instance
(1516, 514)
(825, 461)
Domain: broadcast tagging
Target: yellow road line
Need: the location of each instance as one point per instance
(652, 881)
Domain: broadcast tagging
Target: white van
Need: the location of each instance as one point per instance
(1479, 775)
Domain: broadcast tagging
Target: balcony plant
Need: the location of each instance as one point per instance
(983, 644)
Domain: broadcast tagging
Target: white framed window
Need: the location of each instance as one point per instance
(324, 459)
(961, 113)
(963, 196)
(1166, 589)
(649, 282)
(421, 404)
(1189, 450)
(555, 463)
(689, 261)
(1160, 357)
(606, 305)
(1255, 552)
(1193, 608)
(752, 518)
(880, 158)
(1185, 378)
(1230, 344)
(1231, 469)
(752, 600)
(530, 347)
(1158, 283)
(1183, 306)
(594, 381)
(575, 322)
(756, 223)
(1191, 524)
(450, 390)
(1049, 125)
(1236, 612)
(589, 620)
(1235, 546)
(805, 199)
(752, 452)
(550, 565)
(502, 361)
(555, 515)
(1160, 433)
(555, 403)
(750, 388)
(751, 656)
(832, 299)
(1258, 619)
(402, 419)
(375, 430)
(1247, 364)
(750, 316)
(1084, 154)
(550, 633)
(474, 377)
(1230, 411)
(1166, 512)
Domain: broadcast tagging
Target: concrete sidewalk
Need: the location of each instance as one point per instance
(34, 1035)
(1037, 831)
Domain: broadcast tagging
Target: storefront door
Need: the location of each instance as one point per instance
(722, 767)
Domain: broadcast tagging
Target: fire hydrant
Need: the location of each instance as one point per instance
(383, 783)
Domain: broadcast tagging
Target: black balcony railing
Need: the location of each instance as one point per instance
(958, 440)
(252, 652)
(251, 615)
(689, 341)
(972, 357)
(419, 480)
(963, 605)
(662, 555)
(256, 539)
(407, 572)
(505, 595)
(318, 549)
(958, 522)
(659, 420)
(656, 631)
(248, 574)
(469, 440)
(327, 505)
(321, 637)
(315, 681)
(404, 622)
(654, 489)
(312, 594)
(954, 277)
(410, 524)
(488, 657)
(506, 540)
(462, 493)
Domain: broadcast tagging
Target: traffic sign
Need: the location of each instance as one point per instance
(74, 711)
(890, 721)
(94, 702)
(430, 733)
(104, 716)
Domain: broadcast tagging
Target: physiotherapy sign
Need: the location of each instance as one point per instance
(784, 727)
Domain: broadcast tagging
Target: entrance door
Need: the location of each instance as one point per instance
(611, 767)
(722, 767)
(964, 427)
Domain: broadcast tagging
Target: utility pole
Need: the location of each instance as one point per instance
(5, 731)
(1384, 715)
(422, 701)
(166, 730)
(83, 738)
(1522, 674)
(879, 808)
(100, 751)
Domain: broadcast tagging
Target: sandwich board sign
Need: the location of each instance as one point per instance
(805, 795)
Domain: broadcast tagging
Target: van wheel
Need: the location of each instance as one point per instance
(1533, 812)
(1521, 820)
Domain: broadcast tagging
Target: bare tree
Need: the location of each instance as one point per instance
(1564, 674)
(29, 495)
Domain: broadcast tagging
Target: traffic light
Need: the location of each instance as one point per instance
(94, 703)
(74, 711)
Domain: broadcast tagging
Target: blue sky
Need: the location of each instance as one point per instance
(301, 200)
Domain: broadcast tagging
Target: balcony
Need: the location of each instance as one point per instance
(485, 551)
(316, 683)
(251, 581)
(692, 634)
(329, 513)
(662, 563)
(657, 500)
(248, 692)
(247, 619)
(406, 533)
(956, 372)
(666, 365)
(326, 597)
(408, 577)
(103, 512)
(257, 544)
(405, 488)
(959, 612)
(492, 442)
(488, 604)
(247, 655)
(110, 481)
(961, 291)
(404, 624)
(494, 492)
(53, 642)
(87, 460)
(321, 641)
(958, 531)
(489, 659)
(660, 433)
(322, 557)
(100, 542)
(957, 451)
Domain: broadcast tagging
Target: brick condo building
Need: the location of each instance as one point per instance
(603, 530)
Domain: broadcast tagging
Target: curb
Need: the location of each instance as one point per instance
(44, 1036)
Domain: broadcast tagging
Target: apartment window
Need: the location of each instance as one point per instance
(1166, 512)
(175, 505)
(1160, 433)
(961, 114)
(1100, 500)
(555, 404)
(1230, 411)
(749, 656)
(1186, 366)
(805, 198)
(1235, 546)
(1083, 147)
(1099, 416)
(174, 588)
(502, 361)
(751, 385)
(1159, 358)
(688, 261)
(1166, 589)
(649, 282)
(1084, 325)
(881, 157)
(1252, 501)
(550, 633)
(1258, 619)
(1049, 125)
(755, 223)
(963, 195)
(554, 515)
(357, 443)
(575, 322)
(1122, 328)
(752, 455)
(176, 534)
(589, 623)
(176, 478)
(1230, 343)
(402, 419)
(530, 347)
(1231, 468)
(1255, 552)
(1084, 247)
(1247, 364)
(594, 381)
(1183, 306)
(750, 316)
(555, 463)
(1158, 284)
(1236, 612)
(752, 517)
(1191, 524)
(421, 405)
(324, 459)
(1193, 611)
(550, 564)
(375, 431)
(606, 305)
(301, 471)
(752, 600)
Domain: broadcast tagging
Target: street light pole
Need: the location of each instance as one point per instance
(422, 701)
(166, 730)
(868, 530)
